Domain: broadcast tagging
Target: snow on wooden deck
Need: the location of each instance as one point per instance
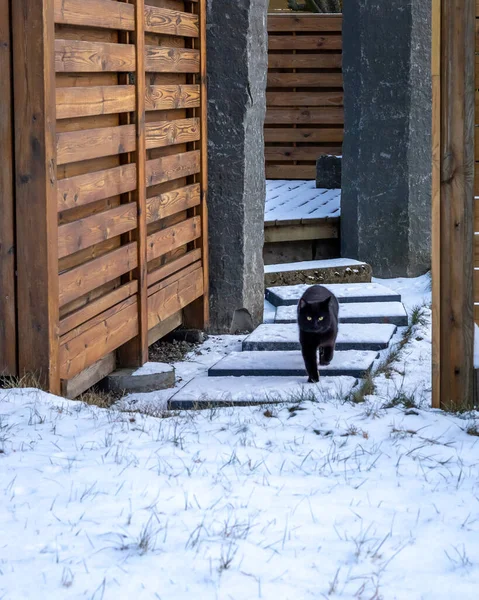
(299, 200)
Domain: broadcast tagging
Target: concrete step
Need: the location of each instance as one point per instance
(358, 312)
(344, 292)
(336, 270)
(351, 336)
(205, 392)
(290, 364)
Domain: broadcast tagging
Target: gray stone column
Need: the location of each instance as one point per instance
(386, 180)
(237, 69)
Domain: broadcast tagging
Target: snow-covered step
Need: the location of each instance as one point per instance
(335, 270)
(351, 336)
(203, 392)
(290, 364)
(357, 312)
(344, 292)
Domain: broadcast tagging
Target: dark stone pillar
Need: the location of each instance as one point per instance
(237, 70)
(386, 178)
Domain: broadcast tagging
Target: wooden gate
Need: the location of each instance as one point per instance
(110, 138)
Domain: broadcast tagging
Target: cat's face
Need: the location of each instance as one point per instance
(314, 317)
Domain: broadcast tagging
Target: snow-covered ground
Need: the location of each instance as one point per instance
(310, 499)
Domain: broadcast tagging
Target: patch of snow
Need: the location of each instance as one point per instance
(286, 199)
(312, 264)
(414, 291)
(152, 368)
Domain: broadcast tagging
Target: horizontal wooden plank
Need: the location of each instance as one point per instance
(92, 101)
(310, 98)
(304, 116)
(291, 153)
(76, 56)
(174, 266)
(91, 275)
(476, 216)
(289, 134)
(476, 285)
(170, 203)
(72, 388)
(169, 239)
(305, 61)
(171, 22)
(164, 97)
(305, 42)
(92, 309)
(300, 80)
(290, 172)
(172, 167)
(92, 187)
(86, 232)
(106, 336)
(106, 14)
(165, 327)
(174, 296)
(160, 59)
(76, 146)
(294, 233)
(289, 22)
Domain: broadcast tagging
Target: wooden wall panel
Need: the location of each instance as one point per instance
(305, 93)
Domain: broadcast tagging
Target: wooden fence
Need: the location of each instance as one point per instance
(305, 93)
(109, 130)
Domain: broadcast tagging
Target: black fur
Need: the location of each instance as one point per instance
(318, 328)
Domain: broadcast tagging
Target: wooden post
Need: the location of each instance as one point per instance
(36, 201)
(8, 333)
(453, 210)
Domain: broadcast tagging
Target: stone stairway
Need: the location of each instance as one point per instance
(270, 362)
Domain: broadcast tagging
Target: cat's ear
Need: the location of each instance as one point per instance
(327, 301)
(302, 303)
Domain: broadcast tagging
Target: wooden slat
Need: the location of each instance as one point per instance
(169, 239)
(74, 56)
(107, 141)
(298, 80)
(95, 273)
(171, 60)
(311, 98)
(305, 61)
(106, 336)
(36, 215)
(305, 42)
(176, 166)
(165, 327)
(304, 116)
(170, 203)
(164, 97)
(8, 333)
(174, 266)
(476, 218)
(107, 14)
(288, 134)
(304, 23)
(92, 187)
(92, 309)
(456, 320)
(290, 171)
(174, 295)
(93, 101)
(72, 388)
(301, 153)
(170, 22)
(326, 230)
(86, 232)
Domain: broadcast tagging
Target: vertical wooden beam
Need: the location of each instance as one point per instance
(8, 333)
(456, 319)
(197, 314)
(36, 203)
(135, 352)
(436, 201)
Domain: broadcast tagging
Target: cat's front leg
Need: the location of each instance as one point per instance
(311, 362)
(326, 355)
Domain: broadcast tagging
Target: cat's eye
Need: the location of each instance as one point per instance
(320, 318)
(309, 318)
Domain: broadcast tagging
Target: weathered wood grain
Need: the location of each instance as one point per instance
(164, 169)
(74, 102)
(106, 14)
(299, 80)
(171, 60)
(305, 42)
(308, 22)
(73, 56)
(170, 22)
(168, 239)
(169, 203)
(305, 61)
(288, 134)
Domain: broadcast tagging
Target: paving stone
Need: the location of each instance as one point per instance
(351, 363)
(149, 378)
(360, 312)
(351, 336)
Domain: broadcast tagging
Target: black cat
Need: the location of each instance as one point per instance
(318, 328)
